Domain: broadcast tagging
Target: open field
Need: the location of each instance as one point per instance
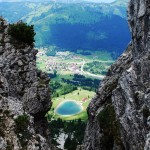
(78, 96)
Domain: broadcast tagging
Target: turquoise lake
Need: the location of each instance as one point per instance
(68, 108)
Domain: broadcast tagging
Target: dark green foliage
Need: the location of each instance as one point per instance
(3, 117)
(10, 146)
(2, 126)
(136, 94)
(2, 26)
(77, 35)
(22, 32)
(22, 132)
(2, 42)
(66, 85)
(70, 144)
(60, 88)
(74, 129)
(84, 82)
(41, 83)
(50, 52)
(22, 122)
(110, 128)
(67, 144)
(53, 75)
(6, 112)
(146, 113)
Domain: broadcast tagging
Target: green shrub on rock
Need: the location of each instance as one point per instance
(22, 122)
(22, 32)
(22, 132)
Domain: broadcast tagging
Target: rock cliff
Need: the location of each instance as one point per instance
(119, 114)
(24, 96)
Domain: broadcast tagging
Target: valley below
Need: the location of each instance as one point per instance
(74, 78)
(72, 75)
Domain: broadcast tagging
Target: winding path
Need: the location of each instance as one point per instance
(90, 74)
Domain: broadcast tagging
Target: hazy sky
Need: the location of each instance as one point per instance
(106, 1)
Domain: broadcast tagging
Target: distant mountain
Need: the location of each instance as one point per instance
(58, 1)
(87, 26)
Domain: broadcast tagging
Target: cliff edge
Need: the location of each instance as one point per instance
(24, 96)
(119, 114)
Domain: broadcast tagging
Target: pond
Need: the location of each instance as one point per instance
(68, 108)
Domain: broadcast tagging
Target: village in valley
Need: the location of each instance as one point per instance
(68, 63)
(64, 62)
(70, 76)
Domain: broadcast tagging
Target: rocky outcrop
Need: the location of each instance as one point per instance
(24, 96)
(119, 114)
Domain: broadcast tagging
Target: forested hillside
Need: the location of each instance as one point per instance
(72, 26)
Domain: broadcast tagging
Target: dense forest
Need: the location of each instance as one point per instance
(68, 85)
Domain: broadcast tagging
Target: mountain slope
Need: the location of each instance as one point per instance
(119, 114)
(82, 26)
(86, 26)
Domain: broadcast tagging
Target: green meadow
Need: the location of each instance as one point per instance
(78, 96)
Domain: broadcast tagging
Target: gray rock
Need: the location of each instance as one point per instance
(119, 113)
(22, 94)
(3, 144)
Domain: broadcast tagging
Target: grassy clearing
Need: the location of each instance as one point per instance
(76, 95)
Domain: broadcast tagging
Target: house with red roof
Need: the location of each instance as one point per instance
(84, 99)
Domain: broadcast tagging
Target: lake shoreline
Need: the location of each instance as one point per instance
(55, 111)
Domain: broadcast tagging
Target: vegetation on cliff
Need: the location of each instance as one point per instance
(22, 32)
(110, 127)
(22, 123)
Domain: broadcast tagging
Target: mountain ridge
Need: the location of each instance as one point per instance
(57, 1)
(79, 23)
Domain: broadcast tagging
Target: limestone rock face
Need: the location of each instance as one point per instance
(119, 114)
(24, 96)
